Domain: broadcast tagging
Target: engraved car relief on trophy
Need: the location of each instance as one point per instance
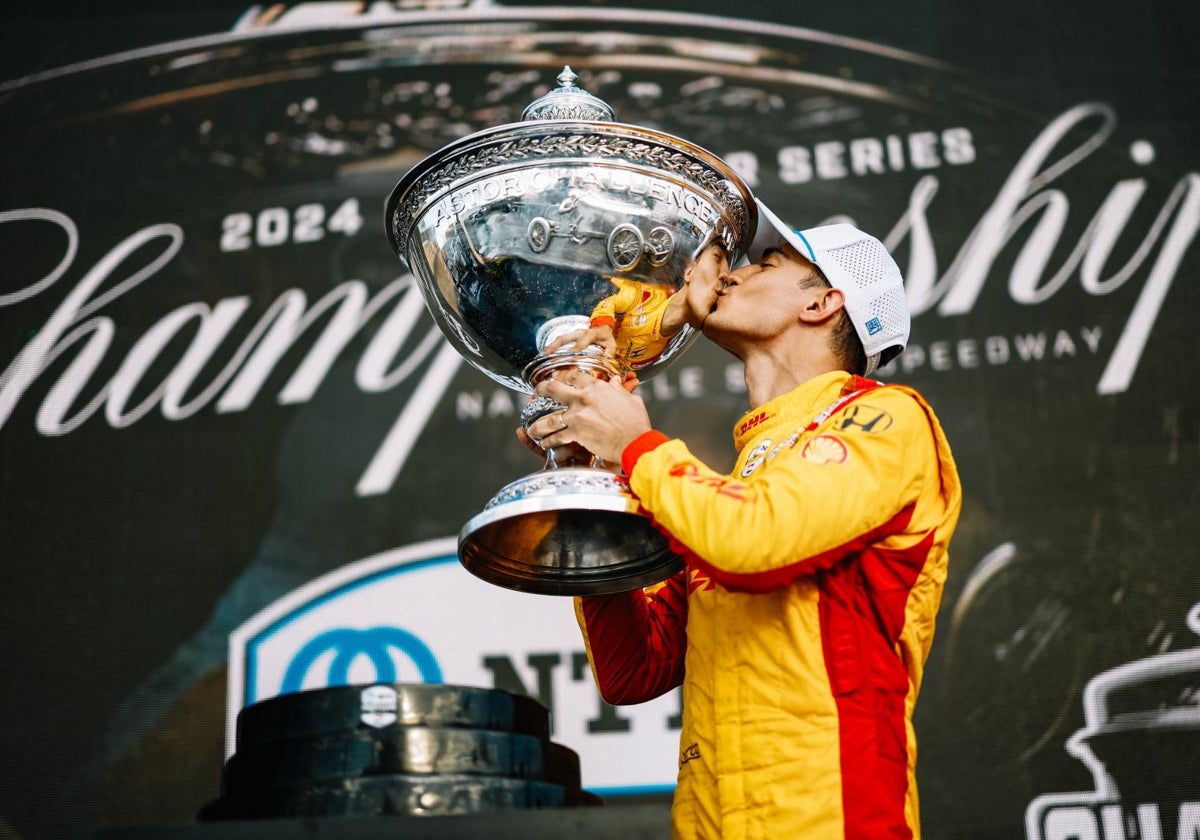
(625, 244)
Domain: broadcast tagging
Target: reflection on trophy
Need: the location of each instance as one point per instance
(525, 237)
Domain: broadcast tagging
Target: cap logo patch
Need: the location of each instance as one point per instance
(874, 326)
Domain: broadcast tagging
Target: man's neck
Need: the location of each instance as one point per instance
(771, 373)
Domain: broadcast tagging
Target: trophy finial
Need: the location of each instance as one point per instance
(567, 77)
(568, 102)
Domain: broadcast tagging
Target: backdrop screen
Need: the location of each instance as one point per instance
(229, 427)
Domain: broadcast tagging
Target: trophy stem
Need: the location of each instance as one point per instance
(570, 457)
(591, 361)
(561, 456)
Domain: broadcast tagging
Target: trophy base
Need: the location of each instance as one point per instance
(574, 531)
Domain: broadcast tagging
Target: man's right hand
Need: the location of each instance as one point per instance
(601, 336)
(602, 415)
(629, 382)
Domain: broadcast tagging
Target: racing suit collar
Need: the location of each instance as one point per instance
(797, 407)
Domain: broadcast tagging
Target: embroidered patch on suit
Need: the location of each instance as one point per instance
(825, 449)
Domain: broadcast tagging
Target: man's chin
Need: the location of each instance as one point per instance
(716, 331)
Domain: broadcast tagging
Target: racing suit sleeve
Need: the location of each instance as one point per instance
(604, 315)
(636, 640)
(618, 303)
(800, 515)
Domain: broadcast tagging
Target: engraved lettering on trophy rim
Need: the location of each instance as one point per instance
(528, 183)
(620, 149)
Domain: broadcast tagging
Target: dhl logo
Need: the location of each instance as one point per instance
(756, 420)
(723, 485)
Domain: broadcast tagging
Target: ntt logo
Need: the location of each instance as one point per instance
(347, 645)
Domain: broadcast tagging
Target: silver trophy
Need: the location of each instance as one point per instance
(521, 237)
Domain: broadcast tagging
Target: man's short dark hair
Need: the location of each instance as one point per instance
(844, 341)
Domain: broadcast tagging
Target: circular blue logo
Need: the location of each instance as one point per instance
(348, 644)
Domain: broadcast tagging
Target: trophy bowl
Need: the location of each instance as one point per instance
(520, 238)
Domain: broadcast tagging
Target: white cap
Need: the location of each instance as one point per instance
(857, 264)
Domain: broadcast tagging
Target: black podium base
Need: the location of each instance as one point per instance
(643, 821)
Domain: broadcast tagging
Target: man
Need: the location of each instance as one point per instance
(802, 622)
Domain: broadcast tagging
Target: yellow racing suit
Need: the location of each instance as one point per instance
(801, 625)
(635, 313)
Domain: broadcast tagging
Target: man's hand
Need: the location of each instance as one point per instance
(602, 415)
(601, 336)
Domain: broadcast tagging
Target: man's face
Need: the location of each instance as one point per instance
(710, 267)
(761, 300)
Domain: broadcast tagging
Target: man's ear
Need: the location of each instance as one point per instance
(824, 304)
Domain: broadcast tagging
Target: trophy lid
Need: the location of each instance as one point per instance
(568, 102)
